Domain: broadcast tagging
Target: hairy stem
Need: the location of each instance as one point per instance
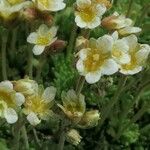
(4, 60)
(72, 40)
(80, 84)
(62, 137)
(129, 8)
(25, 137)
(106, 111)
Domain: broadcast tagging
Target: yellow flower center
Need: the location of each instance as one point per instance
(45, 3)
(87, 13)
(133, 63)
(74, 107)
(42, 40)
(7, 97)
(117, 53)
(37, 105)
(95, 59)
(14, 2)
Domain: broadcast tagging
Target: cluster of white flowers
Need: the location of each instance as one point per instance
(10, 102)
(108, 54)
(25, 95)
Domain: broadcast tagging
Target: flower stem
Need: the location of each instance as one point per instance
(25, 137)
(140, 113)
(36, 138)
(62, 137)
(72, 40)
(30, 64)
(80, 84)
(129, 8)
(4, 61)
(16, 134)
(106, 111)
(42, 61)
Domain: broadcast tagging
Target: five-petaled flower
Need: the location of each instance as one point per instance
(73, 105)
(10, 101)
(95, 60)
(10, 8)
(49, 5)
(88, 13)
(38, 106)
(42, 38)
(138, 56)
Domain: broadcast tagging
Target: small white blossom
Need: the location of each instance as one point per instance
(96, 60)
(42, 38)
(138, 56)
(49, 5)
(37, 107)
(8, 8)
(88, 13)
(9, 101)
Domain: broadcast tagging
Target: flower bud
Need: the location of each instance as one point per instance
(73, 137)
(26, 86)
(73, 105)
(29, 14)
(81, 42)
(109, 23)
(89, 119)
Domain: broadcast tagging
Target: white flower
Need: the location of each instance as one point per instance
(123, 25)
(95, 60)
(73, 105)
(120, 50)
(8, 8)
(88, 14)
(50, 5)
(43, 37)
(37, 106)
(138, 54)
(9, 101)
(26, 86)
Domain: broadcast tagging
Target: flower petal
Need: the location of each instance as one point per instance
(10, 115)
(131, 72)
(142, 54)
(80, 67)
(105, 43)
(38, 49)
(20, 99)
(101, 9)
(110, 67)
(32, 38)
(129, 30)
(94, 23)
(49, 94)
(83, 53)
(115, 35)
(125, 58)
(6, 84)
(80, 23)
(53, 31)
(131, 41)
(93, 77)
(33, 119)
